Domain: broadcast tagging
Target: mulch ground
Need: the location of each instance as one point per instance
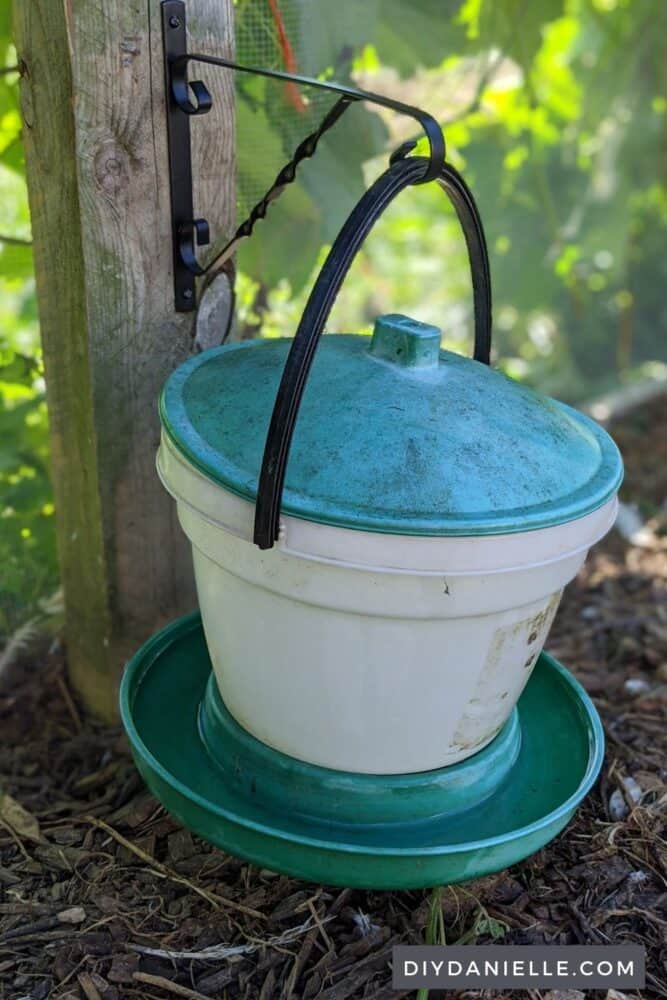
(97, 882)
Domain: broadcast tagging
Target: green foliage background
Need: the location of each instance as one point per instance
(27, 543)
(555, 110)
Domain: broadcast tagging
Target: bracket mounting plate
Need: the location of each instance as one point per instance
(185, 230)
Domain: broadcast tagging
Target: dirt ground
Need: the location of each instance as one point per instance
(96, 880)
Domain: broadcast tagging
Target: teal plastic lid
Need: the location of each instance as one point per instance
(393, 435)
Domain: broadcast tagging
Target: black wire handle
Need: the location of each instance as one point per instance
(402, 173)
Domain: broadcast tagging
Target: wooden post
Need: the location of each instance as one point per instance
(95, 142)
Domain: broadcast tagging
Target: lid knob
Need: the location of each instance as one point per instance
(405, 341)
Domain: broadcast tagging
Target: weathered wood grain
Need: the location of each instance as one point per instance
(95, 138)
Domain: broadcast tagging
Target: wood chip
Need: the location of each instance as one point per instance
(169, 986)
(88, 986)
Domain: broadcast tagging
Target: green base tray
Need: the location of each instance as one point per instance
(224, 793)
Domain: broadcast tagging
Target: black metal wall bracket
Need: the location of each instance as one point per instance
(188, 98)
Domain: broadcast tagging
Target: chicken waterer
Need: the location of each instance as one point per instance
(381, 533)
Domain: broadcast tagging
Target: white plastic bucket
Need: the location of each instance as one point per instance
(369, 652)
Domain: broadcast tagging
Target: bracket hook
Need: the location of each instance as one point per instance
(194, 231)
(180, 88)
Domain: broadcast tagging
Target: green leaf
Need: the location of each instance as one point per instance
(16, 261)
(421, 33)
(328, 34)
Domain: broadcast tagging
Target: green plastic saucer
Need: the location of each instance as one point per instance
(367, 831)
